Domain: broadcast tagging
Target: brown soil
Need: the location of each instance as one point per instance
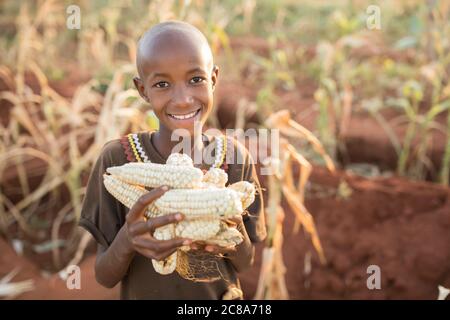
(53, 288)
(401, 226)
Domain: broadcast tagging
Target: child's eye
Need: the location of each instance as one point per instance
(197, 79)
(161, 84)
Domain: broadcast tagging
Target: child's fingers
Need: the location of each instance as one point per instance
(160, 246)
(138, 228)
(195, 246)
(172, 244)
(213, 248)
(219, 250)
(138, 209)
(151, 224)
(154, 223)
(154, 254)
(162, 255)
(145, 244)
(145, 252)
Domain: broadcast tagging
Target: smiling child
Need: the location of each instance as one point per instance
(177, 77)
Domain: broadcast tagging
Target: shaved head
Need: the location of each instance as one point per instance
(169, 36)
(176, 75)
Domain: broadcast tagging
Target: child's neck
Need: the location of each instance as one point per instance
(164, 144)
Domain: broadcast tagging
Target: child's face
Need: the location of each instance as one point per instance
(177, 79)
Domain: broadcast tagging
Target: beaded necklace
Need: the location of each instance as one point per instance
(134, 151)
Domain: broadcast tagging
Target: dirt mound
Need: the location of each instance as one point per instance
(401, 226)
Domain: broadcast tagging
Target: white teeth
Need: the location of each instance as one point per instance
(185, 116)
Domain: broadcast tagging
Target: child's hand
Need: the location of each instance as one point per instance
(140, 231)
(214, 249)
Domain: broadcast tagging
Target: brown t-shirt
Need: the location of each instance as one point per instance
(103, 216)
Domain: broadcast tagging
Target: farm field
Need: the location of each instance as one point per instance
(359, 90)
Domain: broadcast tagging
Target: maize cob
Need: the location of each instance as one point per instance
(166, 266)
(180, 159)
(154, 175)
(247, 192)
(215, 177)
(233, 293)
(226, 237)
(203, 199)
(198, 229)
(127, 194)
(169, 264)
(195, 203)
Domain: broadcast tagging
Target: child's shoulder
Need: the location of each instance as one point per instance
(112, 153)
(112, 146)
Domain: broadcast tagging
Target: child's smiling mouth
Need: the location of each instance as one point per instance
(185, 116)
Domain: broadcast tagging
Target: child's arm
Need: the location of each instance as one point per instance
(112, 263)
(136, 236)
(242, 258)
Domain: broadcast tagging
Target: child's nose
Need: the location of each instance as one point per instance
(182, 97)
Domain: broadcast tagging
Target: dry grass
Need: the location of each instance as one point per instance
(281, 183)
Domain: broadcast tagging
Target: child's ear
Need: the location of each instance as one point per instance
(140, 88)
(214, 76)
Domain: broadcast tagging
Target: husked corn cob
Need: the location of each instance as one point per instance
(180, 159)
(169, 264)
(194, 203)
(154, 175)
(226, 237)
(166, 266)
(198, 229)
(215, 177)
(246, 190)
(127, 194)
(202, 198)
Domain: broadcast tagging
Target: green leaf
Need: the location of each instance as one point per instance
(405, 43)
